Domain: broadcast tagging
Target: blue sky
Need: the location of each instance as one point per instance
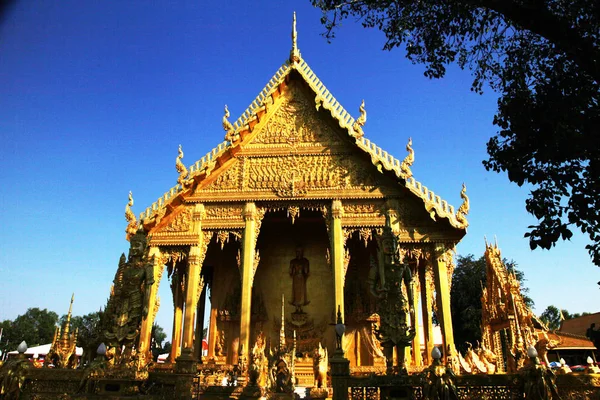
(95, 97)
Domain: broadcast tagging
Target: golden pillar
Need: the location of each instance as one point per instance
(442, 289)
(337, 251)
(194, 280)
(212, 331)
(177, 289)
(200, 323)
(426, 308)
(414, 316)
(191, 292)
(152, 306)
(252, 225)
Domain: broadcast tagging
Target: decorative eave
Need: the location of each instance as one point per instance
(381, 159)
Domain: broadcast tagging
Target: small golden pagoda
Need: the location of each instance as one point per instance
(293, 202)
(508, 326)
(63, 349)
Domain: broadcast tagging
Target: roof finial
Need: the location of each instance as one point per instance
(294, 54)
(463, 210)
(130, 217)
(360, 121)
(408, 161)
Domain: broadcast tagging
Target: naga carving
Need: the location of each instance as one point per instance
(405, 170)
(230, 134)
(360, 122)
(183, 171)
(131, 220)
(463, 210)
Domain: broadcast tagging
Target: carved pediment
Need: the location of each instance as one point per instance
(179, 221)
(295, 120)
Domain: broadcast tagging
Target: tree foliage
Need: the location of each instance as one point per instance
(35, 327)
(543, 58)
(552, 316)
(465, 300)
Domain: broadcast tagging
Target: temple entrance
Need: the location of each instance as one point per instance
(360, 345)
(294, 276)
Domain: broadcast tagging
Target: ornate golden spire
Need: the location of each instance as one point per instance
(183, 171)
(131, 220)
(295, 53)
(360, 121)
(408, 161)
(463, 210)
(68, 323)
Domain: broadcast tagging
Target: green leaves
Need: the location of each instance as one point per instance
(543, 58)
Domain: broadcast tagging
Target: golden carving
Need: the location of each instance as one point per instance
(408, 161)
(346, 262)
(463, 210)
(183, 171)
(223, 211)
(231, 135)
(360, 122)
(337, 209)
(173, 254)
(62, 350)
(131, 220)
(294, 53)
(296, 121)
(228, 180)
(503, 307)
(365, 234)
(159, 213)
(255, 265)
(293, 212)
(361, 208)
(181, 222)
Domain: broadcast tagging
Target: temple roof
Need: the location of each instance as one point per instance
(381, 159)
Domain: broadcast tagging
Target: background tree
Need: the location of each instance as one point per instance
(465, 300)
(158, 336)
(35, 327)
(543, 58)
(551, 317)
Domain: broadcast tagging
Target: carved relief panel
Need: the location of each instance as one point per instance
(296, 120)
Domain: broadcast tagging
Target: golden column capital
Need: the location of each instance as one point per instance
(337, 209)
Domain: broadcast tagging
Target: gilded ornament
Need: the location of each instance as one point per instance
(222, 238)
(294, 53)
(360, 122)
(293, 212)
(181, 223)
(131, 220)
(62, 349)
(183, 171)
(463, 210)
(405, 170)
(231, 135)
(365, 234)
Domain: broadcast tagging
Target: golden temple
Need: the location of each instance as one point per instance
(296, 173)
(325, 261)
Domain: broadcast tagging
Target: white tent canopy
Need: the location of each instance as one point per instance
(42, 350)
